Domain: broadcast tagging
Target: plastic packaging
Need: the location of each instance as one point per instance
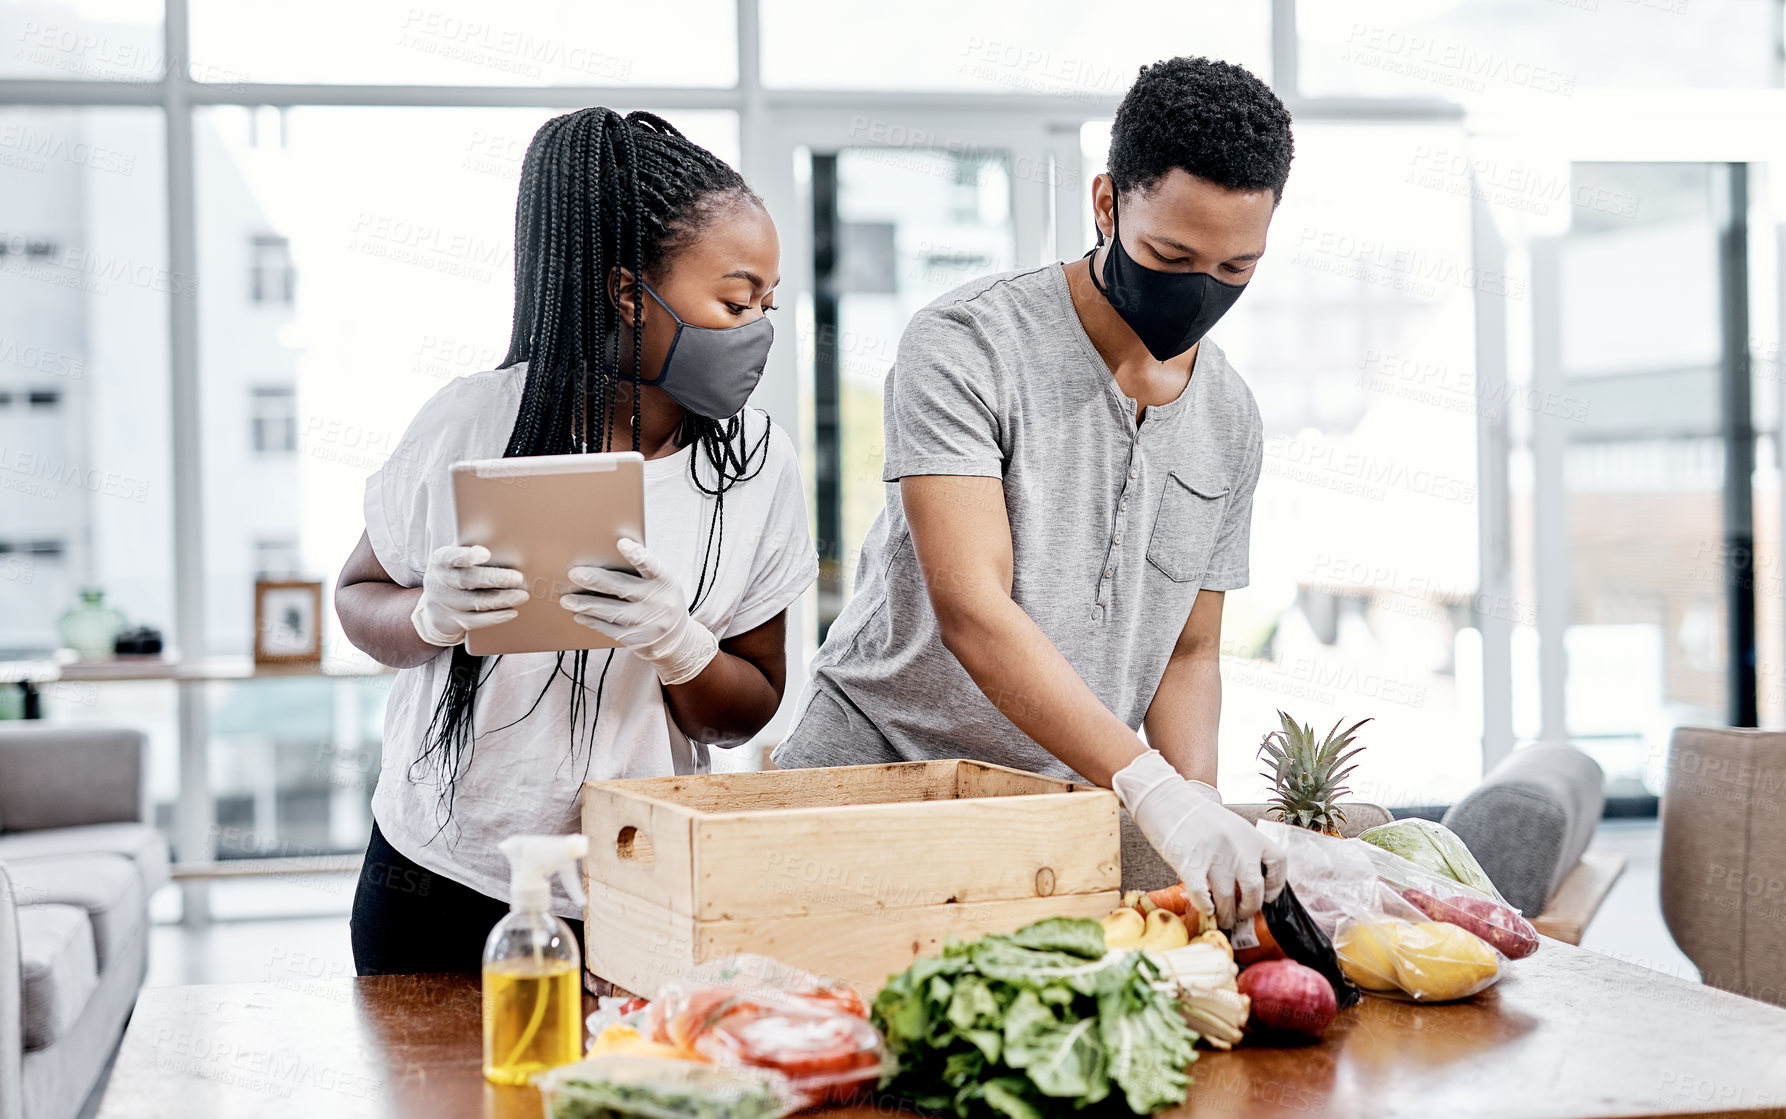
(618, 1038)
(757, 1012)
(1303, 940)
(1383, 943)
(617, 1010)
(1435, 847)
(1442, 899)
(1428, 961)
(613, 1086)
(532, 967)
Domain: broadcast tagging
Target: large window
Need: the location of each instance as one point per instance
(907, 225)
(116, 41)
(466, 42)
(344, 252)
(1637, 355)
(85, 494)
(1073, 53)
(1533, 52)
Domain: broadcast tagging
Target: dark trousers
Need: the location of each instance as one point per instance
(409, 919)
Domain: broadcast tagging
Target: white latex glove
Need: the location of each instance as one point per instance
(1226, 864)
(646, 613)
(461, 592)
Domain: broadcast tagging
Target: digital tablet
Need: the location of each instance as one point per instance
(543, 515)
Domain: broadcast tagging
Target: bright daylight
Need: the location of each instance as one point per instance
(718, 559)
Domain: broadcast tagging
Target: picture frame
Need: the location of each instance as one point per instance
(288, 621)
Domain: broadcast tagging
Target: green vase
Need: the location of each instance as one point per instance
(91, 628)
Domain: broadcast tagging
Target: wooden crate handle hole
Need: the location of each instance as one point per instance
(634, 844)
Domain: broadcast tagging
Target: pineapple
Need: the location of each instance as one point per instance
(1306, 777)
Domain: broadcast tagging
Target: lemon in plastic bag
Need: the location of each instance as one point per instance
(1367, 952)
(1439, 962)
(1428, 960)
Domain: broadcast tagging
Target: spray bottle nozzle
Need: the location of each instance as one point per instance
(534, 859)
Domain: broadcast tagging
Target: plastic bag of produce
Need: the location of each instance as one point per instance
(1442, 899)
(1383, 943)
(1301, 939)
(1427, 961)
(609, 1087)
(1435, 847)
(757, 1012)
(614, 1016)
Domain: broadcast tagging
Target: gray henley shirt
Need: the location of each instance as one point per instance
(1115, 526)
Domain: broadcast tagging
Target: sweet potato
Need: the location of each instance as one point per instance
(1510, 934)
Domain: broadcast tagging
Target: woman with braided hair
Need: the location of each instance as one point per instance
(644, 269)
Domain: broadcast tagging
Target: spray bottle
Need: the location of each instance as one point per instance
(533, 990)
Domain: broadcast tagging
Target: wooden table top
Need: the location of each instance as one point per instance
(1566, 1033)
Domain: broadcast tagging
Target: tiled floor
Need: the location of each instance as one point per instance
(266, 929)
(296, 928)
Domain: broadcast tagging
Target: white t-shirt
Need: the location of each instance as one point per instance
(520, 775)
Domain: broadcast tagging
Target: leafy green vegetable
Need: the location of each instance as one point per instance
(1035, 1022)
(725, 1096)
(1072, 935)
(1433, 846)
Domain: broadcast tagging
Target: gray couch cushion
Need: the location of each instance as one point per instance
(58, 1080)
(57, 968)
(105, 885)
(1530, 819)
(140, 843)
(58, 776)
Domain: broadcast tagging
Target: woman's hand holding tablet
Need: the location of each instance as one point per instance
(645, 613)
(461, 592)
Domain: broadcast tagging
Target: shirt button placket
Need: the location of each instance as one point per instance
(1122, 507)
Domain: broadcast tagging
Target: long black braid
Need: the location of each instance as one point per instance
(599, 192)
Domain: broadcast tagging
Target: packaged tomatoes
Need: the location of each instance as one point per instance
(754, 1011)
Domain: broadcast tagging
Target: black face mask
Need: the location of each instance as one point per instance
(1168, 311)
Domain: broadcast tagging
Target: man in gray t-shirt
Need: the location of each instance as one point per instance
(1070, 470)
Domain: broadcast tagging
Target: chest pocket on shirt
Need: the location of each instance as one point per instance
(1184, 532)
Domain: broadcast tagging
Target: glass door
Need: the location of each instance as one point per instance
(880, 217)
(892, 231)
(1662, 540)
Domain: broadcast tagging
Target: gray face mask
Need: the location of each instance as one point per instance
(711, 372)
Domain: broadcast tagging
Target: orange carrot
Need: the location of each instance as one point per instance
(1171, 898)
(1267, 948)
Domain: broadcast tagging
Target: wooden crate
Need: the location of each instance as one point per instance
(849, 872)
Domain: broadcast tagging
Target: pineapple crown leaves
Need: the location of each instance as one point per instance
(1307, 778)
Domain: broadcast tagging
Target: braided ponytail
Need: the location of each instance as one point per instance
(598, 192)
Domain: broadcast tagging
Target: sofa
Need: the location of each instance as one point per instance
(1724, 856)
(1529, 823)
(78, 863)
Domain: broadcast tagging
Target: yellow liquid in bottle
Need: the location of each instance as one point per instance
(533, 1017)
